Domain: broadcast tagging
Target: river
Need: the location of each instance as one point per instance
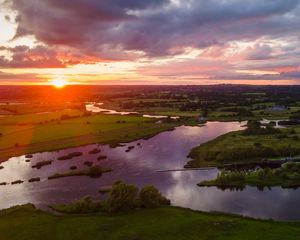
(167, 150)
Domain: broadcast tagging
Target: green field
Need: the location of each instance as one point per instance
(36, 118)
(12, 108)
(28, 223)
(40, 132)
(235, 147)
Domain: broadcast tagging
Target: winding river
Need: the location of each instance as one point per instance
(167, 150)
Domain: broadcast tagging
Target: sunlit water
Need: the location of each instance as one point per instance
(167, 150)
(91, 107)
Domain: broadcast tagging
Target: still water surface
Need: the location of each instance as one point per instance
(167, 150)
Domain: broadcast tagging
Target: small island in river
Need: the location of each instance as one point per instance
(257, 143)
(287, 176)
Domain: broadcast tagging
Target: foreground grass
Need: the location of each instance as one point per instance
(25, 134)
(235, 147)
(26, 222)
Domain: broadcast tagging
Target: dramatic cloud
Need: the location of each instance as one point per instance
(238, 39)
(9, 78)
(153, 26)
(24, 57)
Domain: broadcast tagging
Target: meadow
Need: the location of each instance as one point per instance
(30, 133)
(27, 223)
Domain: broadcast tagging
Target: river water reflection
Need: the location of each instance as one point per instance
(167, 150)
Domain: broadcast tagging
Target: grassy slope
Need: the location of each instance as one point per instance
(72, 132)
(162, 223)
(236, 142)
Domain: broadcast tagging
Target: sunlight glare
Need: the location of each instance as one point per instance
(59, 83)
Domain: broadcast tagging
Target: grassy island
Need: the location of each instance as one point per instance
(255, 143)
(288, 176)
(93, 172)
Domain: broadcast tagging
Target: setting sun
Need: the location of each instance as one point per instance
(59, 83)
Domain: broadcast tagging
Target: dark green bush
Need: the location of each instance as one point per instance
(85, 205)
(95, 171)
(122, 197)
(150, 197)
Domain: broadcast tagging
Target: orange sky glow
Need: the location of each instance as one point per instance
(126, 44)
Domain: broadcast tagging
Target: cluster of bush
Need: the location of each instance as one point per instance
(288, 171)
(238, 154)
(122, 197)
(255, 128)
(228, 177)
(93, 172)
(70, 156)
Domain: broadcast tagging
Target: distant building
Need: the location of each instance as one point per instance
(279, 108)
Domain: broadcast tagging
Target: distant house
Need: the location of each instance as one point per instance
(279, 108)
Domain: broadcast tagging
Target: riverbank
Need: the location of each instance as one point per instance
(74, 132)
(26, 222)
(287, 176)
(238, 147)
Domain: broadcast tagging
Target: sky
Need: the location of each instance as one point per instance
(149, 42)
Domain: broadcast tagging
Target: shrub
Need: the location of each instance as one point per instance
(37, 179)
(291, 166)
(85, 205)
(101, 158)
(39, 165)
(95, 171)
(17, 182)
(150, 197)
(260, 173)
(95, 151)
(88, 163)
(70, 156)
(255, 128)
(75, 154)
(123, 197)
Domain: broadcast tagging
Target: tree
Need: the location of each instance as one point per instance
(123, 197)
(150, 197)
(253, 126)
